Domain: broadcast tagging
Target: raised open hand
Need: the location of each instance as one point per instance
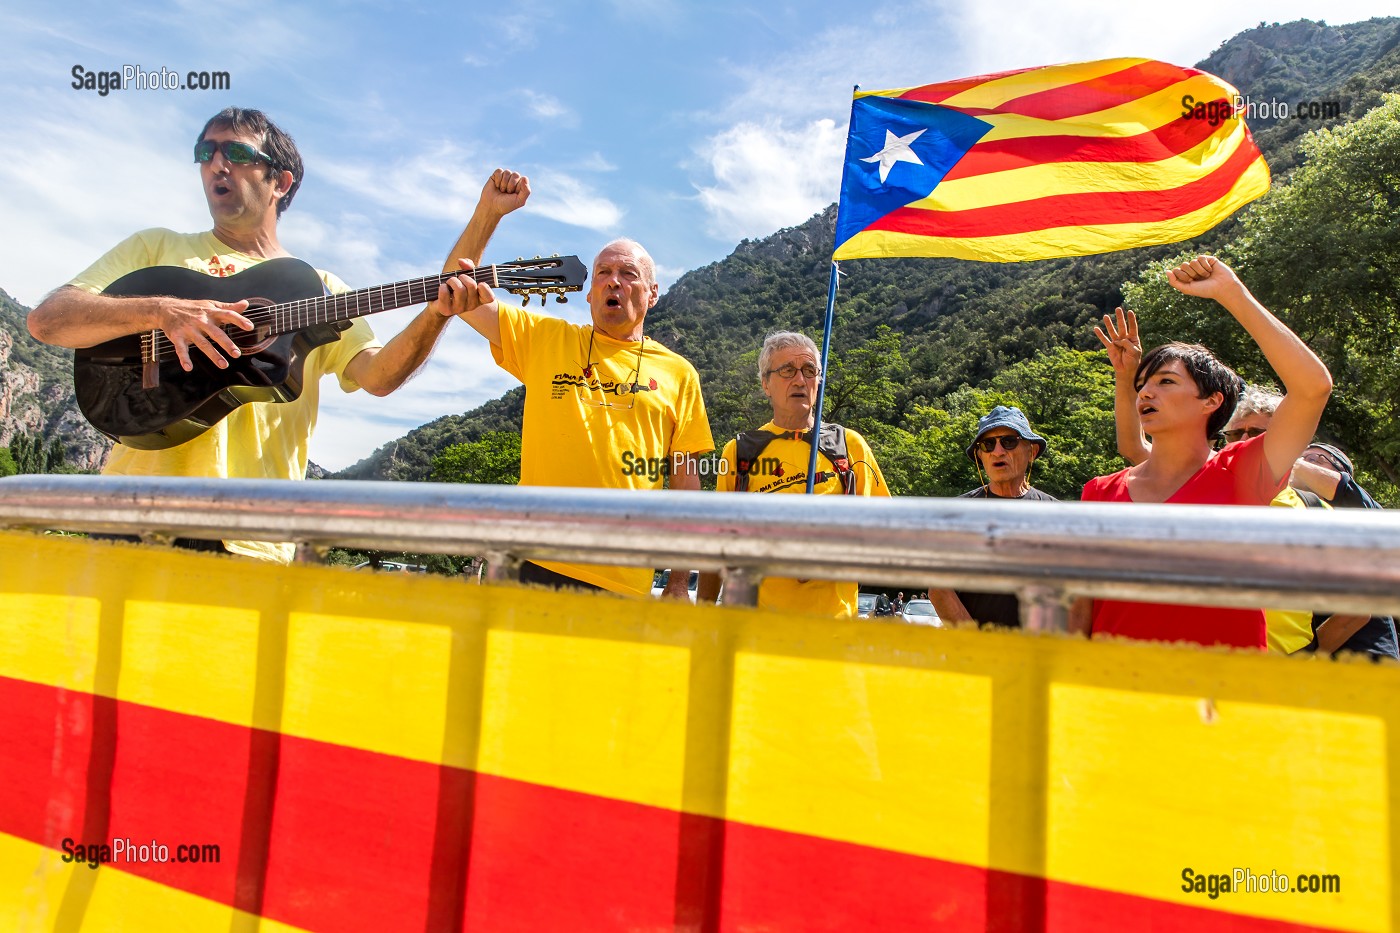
(1120, 338)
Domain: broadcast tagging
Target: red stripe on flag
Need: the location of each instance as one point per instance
(937, 93)
(359, 841)
(1072, 210)
(1095, 94)
(1172, 139)
(550, 859)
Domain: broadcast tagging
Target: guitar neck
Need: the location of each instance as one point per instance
(299, 315)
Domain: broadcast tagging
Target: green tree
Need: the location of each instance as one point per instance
(1068, 397)
(863, 384)
(492, 458)
(29, 454)
(7, 463)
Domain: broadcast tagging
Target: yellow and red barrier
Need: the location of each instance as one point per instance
(377, 753)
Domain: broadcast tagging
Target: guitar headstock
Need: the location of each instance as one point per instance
(543, 276)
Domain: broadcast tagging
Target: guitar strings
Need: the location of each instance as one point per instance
(499, 275)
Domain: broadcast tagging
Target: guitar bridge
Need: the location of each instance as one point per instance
(150, 367)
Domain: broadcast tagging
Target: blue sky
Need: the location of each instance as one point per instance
(688, 126)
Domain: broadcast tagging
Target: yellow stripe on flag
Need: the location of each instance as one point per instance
(1183, 782)
(890, 757)
(1065, 178)
(586, 714)
(1130, 118)
(991, 94)
(49, 638)
(166, 647)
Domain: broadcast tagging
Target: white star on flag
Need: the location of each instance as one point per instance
(896, 150)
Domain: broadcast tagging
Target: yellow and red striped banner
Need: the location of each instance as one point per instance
(376, 753)
(1065, 160)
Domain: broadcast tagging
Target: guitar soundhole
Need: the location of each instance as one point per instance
(262, 334)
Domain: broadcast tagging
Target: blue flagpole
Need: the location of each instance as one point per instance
(821, 388)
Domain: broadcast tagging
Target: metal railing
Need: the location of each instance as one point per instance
(1046, 552)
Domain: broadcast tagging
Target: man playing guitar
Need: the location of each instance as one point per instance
(250, 170)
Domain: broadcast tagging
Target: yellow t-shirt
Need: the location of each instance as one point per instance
(787, 473)
(260, 440)
(571, 439)
(1288, 630)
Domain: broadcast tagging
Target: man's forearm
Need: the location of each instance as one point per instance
(471, 244)
(73, 318)
(392, 365)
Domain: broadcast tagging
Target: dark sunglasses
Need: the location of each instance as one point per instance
(1240, 434)
(989, 444)
(234, 151)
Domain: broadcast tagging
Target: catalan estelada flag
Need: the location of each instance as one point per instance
(1066, 160)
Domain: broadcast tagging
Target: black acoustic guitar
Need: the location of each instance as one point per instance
(134, 390)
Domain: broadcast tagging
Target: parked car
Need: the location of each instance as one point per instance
(659, 581)
(921, 612)
(392, 566)
(872, 604)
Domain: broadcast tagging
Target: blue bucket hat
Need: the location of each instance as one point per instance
(1340, 460)
(1005, 416)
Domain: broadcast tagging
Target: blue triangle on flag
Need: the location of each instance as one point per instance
(947, 136)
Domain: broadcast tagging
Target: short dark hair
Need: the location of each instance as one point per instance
(280, 148)
(1206, 371)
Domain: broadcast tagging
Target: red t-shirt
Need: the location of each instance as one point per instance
(1237, 475)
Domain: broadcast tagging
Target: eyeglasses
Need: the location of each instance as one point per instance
(234, 151)
(788, 370)
(1008, 442)
(628, 387)
(1239, 434)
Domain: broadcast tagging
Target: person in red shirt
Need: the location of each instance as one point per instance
(1184, 396)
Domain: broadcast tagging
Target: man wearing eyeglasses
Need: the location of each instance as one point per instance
(775, 458)
(1004, 450)
(250, 170)
(605, 405)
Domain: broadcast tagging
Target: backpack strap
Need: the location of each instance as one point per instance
(749, 445)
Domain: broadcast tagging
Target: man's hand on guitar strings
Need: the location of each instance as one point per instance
(200, 324)
(460, 294)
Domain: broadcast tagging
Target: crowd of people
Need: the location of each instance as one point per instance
(604, 394)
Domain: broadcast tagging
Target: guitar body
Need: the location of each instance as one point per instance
(108, 380)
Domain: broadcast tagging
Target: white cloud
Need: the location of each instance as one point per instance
(1004, 34)
(548, 107)
(441, 183)
(564, 198)
(596, 162)
(93, 183)
(768, 176)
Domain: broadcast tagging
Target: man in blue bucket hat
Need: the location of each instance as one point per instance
(1003, 450)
